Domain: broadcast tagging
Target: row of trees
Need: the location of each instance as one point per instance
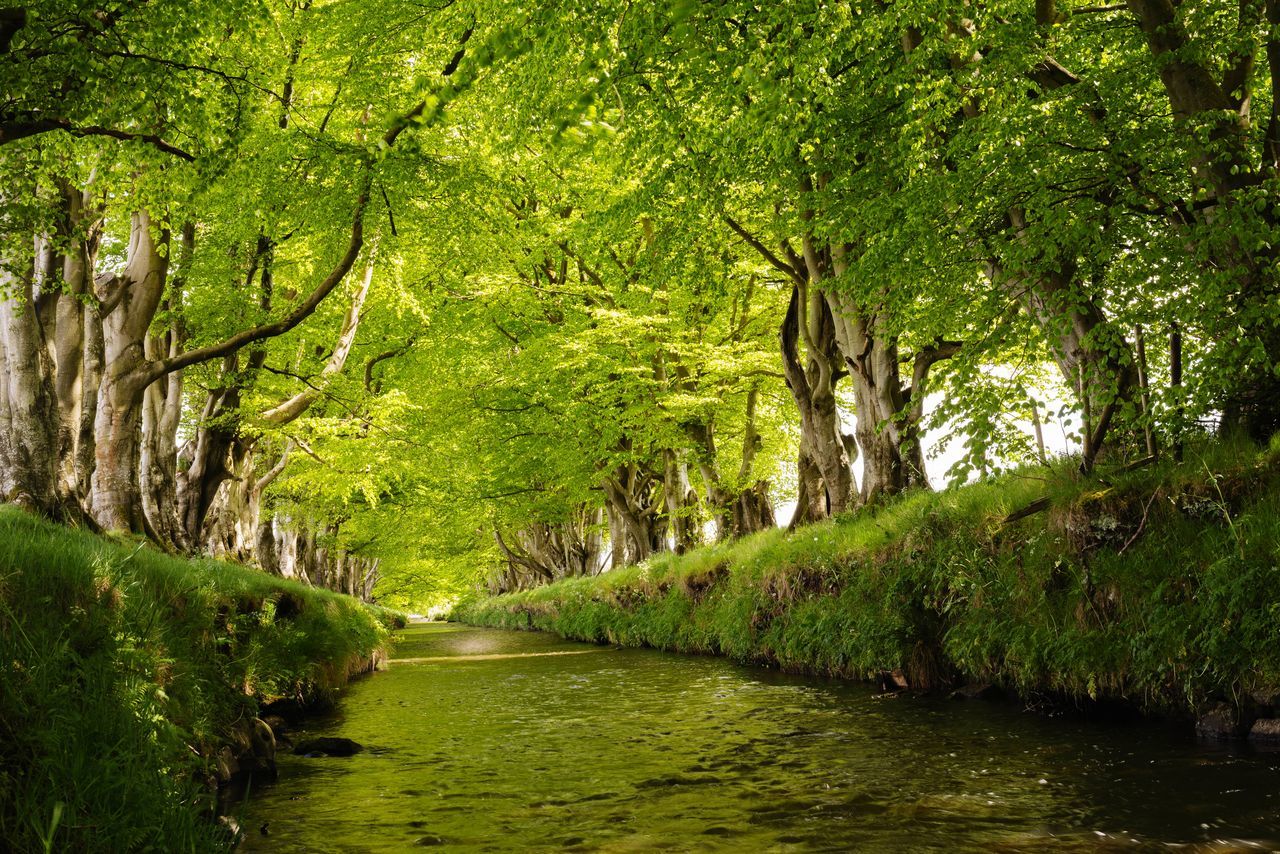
(555, 287)
(181, 193)
(934, 202)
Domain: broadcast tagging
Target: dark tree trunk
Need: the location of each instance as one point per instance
(826, 484)
(638, 520)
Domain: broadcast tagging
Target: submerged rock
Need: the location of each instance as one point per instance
(1221, 723)
(429, 841)
(329, 746)
(977, 691)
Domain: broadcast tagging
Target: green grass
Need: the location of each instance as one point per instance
(1158, 587)
(122, 670)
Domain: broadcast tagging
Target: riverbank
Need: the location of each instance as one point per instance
(130, 682)
(1156, 588)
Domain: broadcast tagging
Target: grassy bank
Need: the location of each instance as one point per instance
(1158, 587)
(123, 671)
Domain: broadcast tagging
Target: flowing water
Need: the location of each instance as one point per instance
(486, 740)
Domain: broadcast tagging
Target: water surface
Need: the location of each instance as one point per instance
(486, 740)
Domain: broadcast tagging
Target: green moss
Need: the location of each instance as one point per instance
(122, 670)
(1157, 586)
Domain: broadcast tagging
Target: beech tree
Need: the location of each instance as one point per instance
(535, 290)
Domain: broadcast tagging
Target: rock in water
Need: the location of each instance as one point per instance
(329, 746)
(891, 682)
(263, 742)
(1266, 731)
(429, 841)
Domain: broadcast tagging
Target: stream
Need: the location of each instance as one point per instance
(488, 740)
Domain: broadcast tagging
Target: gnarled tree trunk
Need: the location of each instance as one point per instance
(824, 471)
(223, 493)
(132, 301)
(543, 552)
(161, 416)
(638, 522)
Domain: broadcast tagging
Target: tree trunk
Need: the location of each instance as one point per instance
(222, 451)
(681, 502)
(753, 511)
(210, 455)
(29, 404)
(1073, 323)
(133, 300)
(161, 414)
(824, 469)
(161, 417)
(888, 467)
(744, 507)
(617, 537)
(92, 367)
(116, 491)
(370, 579)
(1083, 343)
(635, 495)
(266, 548)
(547, 551)
(836, 332)
(234, 519)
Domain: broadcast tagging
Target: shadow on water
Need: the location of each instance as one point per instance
(484, 740)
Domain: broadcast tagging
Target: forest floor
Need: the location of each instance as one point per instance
(131, 682)
(1155, 587)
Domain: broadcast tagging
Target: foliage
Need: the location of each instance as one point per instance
(585, 219)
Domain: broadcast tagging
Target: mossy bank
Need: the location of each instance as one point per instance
(1156, 586)
(125, 674)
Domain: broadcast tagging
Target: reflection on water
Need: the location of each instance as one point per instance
(481, 743)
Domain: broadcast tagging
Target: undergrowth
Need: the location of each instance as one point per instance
(122, 670)
(1158, 587)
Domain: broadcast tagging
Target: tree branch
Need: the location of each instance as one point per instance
(764, 251)
(12, 130)
(275, 471)
(413, 116)
(290, 409)
(382, 357)
(289, 321)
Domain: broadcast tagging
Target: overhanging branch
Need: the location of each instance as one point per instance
(12, 130)
(765, 252)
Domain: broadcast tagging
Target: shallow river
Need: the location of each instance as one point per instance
(485, 740)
